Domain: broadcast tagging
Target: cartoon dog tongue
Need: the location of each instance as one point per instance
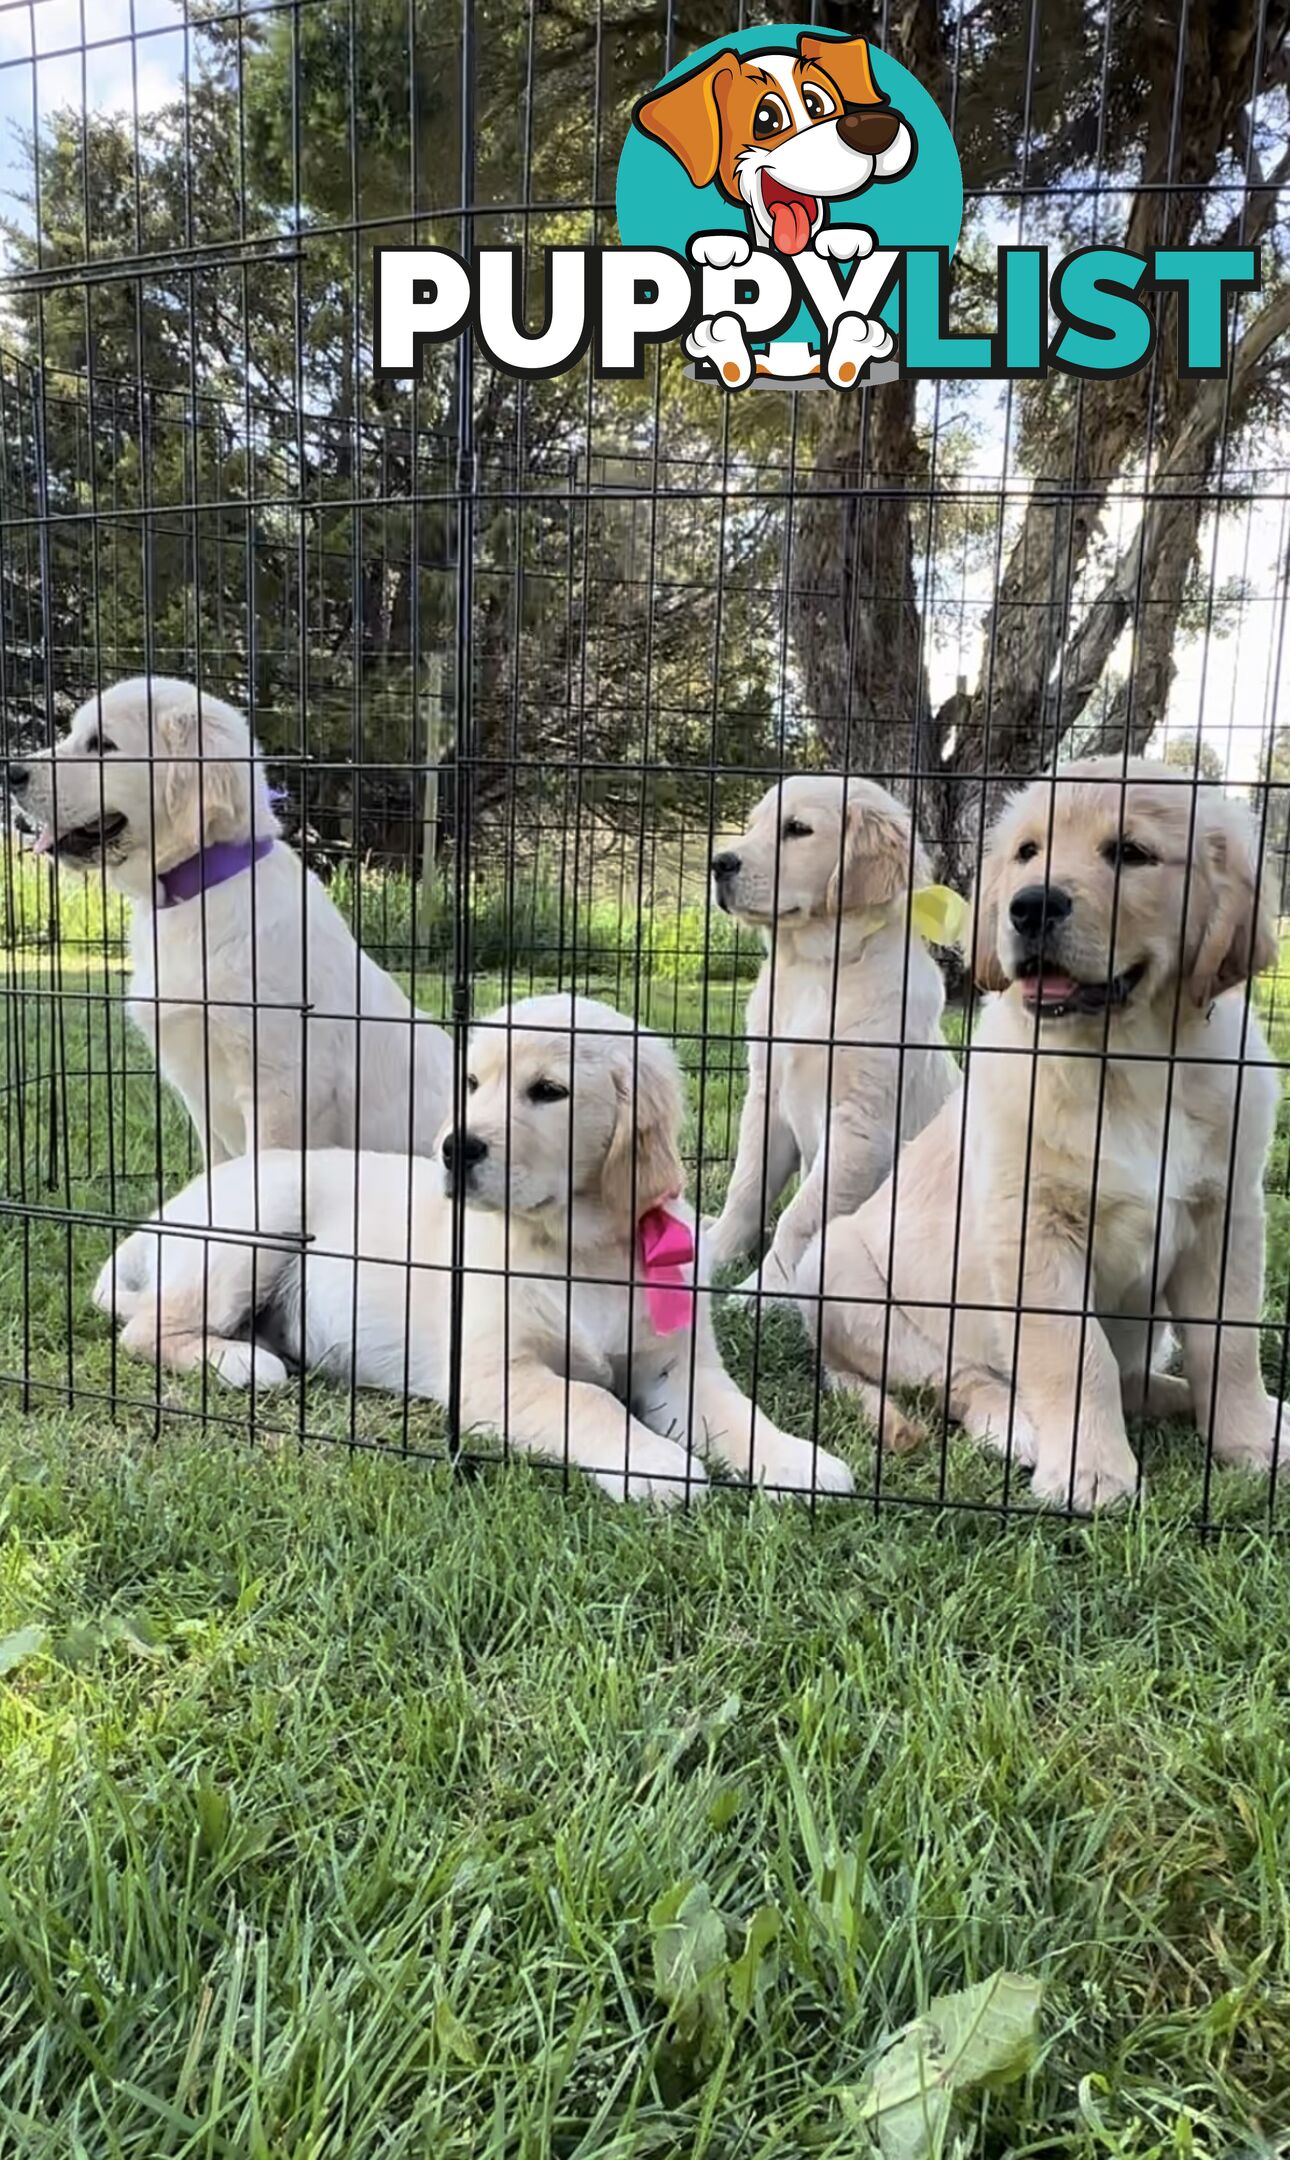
(791, 217)
(791, 227)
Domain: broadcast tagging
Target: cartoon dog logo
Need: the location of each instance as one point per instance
(783, 134)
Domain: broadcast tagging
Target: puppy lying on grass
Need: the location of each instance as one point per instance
(583, 1337)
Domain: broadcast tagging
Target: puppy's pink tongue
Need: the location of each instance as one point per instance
(43, 841)
(1049, 989)
(791, 226)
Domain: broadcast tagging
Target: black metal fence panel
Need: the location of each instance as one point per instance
(506, 926)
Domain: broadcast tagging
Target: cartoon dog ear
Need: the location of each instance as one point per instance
(686, 118)
(987, 969)
(646, 1132)
(879, 856)
(1236, 937)
(846, 60)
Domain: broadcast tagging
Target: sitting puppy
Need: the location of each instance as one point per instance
(582, 1334)
(1105, 1157)
(261, 1010)
(825, 870)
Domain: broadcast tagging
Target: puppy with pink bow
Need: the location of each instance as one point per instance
(557, 1198)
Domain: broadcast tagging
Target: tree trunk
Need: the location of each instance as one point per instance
(856, 614)
(856, 624)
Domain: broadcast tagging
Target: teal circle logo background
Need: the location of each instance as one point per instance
(658, 206)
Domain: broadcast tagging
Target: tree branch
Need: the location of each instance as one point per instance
(1189, 460)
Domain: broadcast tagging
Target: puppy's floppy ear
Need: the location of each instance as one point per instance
(847, 61)
(1233, 936)
(686, 118)
(205, 795)
(880, 855)
(987, 969)
(643, 1166)
(172, 744)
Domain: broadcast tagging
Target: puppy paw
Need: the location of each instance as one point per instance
(1105, 1473)
(720, 339)
(658, 1471)
(844, 243)
(856, 340)
(244, 1364)
(1161, 1395)
(897, 1433)
(789, 1467)
(720, 250)
(1253, 1437)
(1005, 1429)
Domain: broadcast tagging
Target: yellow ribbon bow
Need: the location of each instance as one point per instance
(938, 914)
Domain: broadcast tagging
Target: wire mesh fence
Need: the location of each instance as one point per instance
(672, 712)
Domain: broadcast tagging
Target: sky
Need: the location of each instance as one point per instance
(58, 52)
(1232, 685)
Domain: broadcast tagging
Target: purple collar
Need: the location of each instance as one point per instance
(212, 866)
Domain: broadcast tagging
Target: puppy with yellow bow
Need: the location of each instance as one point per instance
(846, 1061)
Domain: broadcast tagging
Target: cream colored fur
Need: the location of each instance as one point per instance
(825, 870)
(261, 1010)
(1102, 1174)
(570, 1369)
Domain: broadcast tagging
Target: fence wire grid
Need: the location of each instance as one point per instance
(566, 764)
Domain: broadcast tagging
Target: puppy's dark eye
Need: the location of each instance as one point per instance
(770, 118)
(543, 1091)
(97, 746)
(793, 829)
(1129, 854)
(818, 103)
(1027, 851)
(471, 1083)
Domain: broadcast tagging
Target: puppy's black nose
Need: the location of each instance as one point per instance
(17, 776)
(1037, 907)
(726, 866)
(871, 128)
(463, 1150)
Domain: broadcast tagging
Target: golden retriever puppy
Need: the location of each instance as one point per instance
(582, 1334)
(845, 1053)
(1100, 1177)
(260, 1009)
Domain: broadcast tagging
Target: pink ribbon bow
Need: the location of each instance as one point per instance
(666, 1250)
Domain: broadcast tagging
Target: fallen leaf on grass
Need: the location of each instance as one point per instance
(695, 1974)
(979, 2036)
(690, 1963)
(453, 2036)
(24, 1643)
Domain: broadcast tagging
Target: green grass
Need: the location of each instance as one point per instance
(590, 915)
(337, 1797)
(338, 1791)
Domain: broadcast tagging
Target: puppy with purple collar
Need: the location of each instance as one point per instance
(262, 1012)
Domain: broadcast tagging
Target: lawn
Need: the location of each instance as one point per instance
(344, 1795)
(339, 1794)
